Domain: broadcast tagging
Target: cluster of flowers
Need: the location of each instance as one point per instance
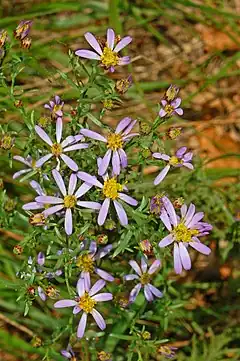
(184, 229)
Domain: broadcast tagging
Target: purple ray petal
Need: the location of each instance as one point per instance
(165, 219)
(41, 294)
(188, 156)
(161, 156)
(89, 179)
(22, 160)
(161, 175)
(65, 303)
(88, 54)
(136, 267)
(93, 42)
(188, 165)
(195, 219)
(166, 241)
(72, 184)
(99, 319)
(176, 102)
(49, 200)
(41, 258)
(129, 128)
(105, 162)
(127, 199)
(181, 151)
(122, 216)
(20, 172)
(177, 260)
(59, 127)
(103, 211)
(83, 189)
(162, 113)
(76, 310)
(164, 102)
(93, 248)
(170, 210)
(101, 297)
(115, 163)
(31, 206)
(110, 38)
(123, 158)
(68, 221)
(90, 205)
(122, 43)
(124, 60)
(154, 267)
(76, 147)
(200, 247)
(131, 277)
(190, 214)
(148, 294)
(134, 293)
(103, 251)
(97, 287)
(59, 181)
(93, 135)
(155, 291)
(66, 354)
(43, 135)
(80, 287)
(183, 210)
(104, 275)
(69, 162)
(87, 281)
(82, 325)
(184, 255)
(143, 264)
(43, 160)
(69, 140)
(52, 210)
(123, 124)
(36, 186)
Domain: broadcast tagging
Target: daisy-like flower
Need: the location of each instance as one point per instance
(111, 191)
(55, 106)
(69, 354)
(86, 302)
(170, 108)
(29, 162)
(144, 276)
(184, 232)
(108, 53)
(114, 143)
(86, 261)
(167, 351)
(58, 149)
(23, 29)
(180, 159)
(68, 201)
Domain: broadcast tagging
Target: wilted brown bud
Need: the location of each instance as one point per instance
(102, 239)
(26, 43)
(18, 103)
(37, 219)
(123, 85)
(146, 247)
(6, 142)
(52, 292)
(104, 356)
(178, 202)
(17, 249)
(9, 205)
(36, 341)
(31, 291)
(173, 133)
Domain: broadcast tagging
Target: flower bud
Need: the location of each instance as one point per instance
(104, 356)
(102, 239)
(51, 292)
(171, 93)
(123, 85)
(178, 202)
(6, 142)
(36, 341)
(18, 249)
(43, 122)
(146, 335)
(146, 247)
(37, 219)
(108, 104)
(18, 103)
(173, 133)
(145, 128)
(9, 205)
(110, 225)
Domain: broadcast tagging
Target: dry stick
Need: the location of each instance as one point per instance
(16, 325)
(13, 235)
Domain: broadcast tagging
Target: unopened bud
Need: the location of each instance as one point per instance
(17, 249)
(146, 335)
(104, 356)
(178, 202)
(173, 133)
(9, 205)
(37, 219)
(171, 93)
(146, 247)
(6, 142)
(43, 122)
(123, 85)
(109, 225)
(36, 341)
(108, 104)
(144, 128)
(102, 239)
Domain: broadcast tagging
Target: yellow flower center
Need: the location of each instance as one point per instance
(109, 57)
(70, 201)
(169, 109)
(111, 188)
(86, 303)
(56, 149)
(182, 234)
(21, 29)
(56, 108)
(145, 278)
(165, 350)
(114, 141)
(175, 161)
(85, 263)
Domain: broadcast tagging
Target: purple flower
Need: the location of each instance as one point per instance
(35, 205)
(55, 106)
(144, 276)
(86, 302)
(59, 149)
(114, 143)
(86, 261)
(184, 231)
(180, 159)
(41, 261)
(23, 29)
(69, 353)
(111, 190)
(108, 53)
(41, 258)
(29, 162)
(156, 204)
(167, 351)
(168, 109)
(69, 199)
(50, 291)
